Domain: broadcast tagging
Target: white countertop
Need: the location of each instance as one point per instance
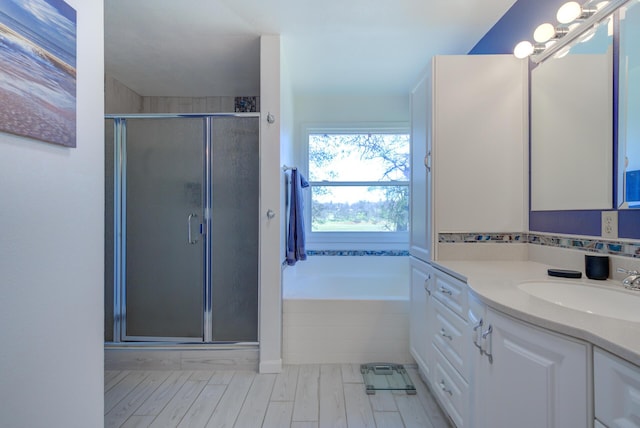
(495, 283)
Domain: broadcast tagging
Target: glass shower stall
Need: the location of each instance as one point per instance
(181, 237)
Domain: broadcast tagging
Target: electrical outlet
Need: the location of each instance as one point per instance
(610, 224)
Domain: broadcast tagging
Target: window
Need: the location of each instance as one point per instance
(359, 182)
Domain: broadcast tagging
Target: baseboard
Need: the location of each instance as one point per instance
(180, 359)
(272, 366)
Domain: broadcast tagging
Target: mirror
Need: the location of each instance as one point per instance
(571, 127)
(629, 108)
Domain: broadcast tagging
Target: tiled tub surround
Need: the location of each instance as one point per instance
(342, 309)
(496, 284)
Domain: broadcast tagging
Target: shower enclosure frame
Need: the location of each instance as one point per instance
(120, 229)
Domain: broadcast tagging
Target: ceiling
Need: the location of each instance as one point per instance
(162, 48)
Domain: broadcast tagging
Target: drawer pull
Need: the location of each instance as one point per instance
(445, 291)
(443, 387)
(443, 333)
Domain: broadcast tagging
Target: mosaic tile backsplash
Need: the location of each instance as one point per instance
(617, 248)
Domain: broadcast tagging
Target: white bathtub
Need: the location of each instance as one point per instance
(346, 309)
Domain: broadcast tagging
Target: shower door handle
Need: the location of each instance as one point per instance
(190, 239)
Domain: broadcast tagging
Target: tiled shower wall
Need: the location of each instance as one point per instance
(119, 99)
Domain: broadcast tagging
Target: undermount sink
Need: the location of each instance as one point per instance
(596, 300)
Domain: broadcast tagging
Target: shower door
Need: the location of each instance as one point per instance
(163, 241)
(182, 225)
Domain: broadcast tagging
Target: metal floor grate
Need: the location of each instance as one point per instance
(386, 377)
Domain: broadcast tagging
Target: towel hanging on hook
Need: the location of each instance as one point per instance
(295, 237)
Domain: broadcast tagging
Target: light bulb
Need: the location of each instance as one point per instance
(569, 12)
(523, 49)
(544, 33)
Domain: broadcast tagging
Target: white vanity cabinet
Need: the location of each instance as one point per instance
(420, 314)
(450, 347)
(530, 377)
(616, 391)
(439, 341)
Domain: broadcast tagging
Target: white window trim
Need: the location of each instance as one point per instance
(350, 240)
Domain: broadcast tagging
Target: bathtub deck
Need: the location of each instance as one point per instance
(312, 395)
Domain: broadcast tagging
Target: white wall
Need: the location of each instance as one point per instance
(270, 193)
(287, 142)
(119, 98)
(51, 259)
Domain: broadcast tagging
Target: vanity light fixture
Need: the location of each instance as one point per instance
(572, 11)
(588, 35)
(562, 52)
(525, 49)
(547, 32)
(578, 23)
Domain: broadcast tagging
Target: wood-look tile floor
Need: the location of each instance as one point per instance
(302, 396)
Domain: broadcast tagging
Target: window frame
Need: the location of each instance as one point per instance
(351, 240)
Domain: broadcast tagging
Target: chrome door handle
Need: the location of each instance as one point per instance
(443, 387)
(427, 162)
(476, 334)
(443, 333)
(488, 351)
(190, 239)
(426, 284)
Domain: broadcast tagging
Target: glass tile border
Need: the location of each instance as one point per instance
(602, 246)
(357, 253)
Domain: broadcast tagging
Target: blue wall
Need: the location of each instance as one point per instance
(518, 24)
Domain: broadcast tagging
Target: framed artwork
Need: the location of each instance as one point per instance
(38, 70)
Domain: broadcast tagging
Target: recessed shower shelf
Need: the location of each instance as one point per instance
(386, 377)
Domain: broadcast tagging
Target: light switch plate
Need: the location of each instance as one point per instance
(610, 224)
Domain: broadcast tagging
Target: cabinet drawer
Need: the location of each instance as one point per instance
(449, 336)
(451, 292)
(451, 389)
(616, 390)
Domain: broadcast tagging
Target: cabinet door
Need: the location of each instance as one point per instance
(616, 390)
(479, 150)
(420, 195)
(537, 378)
(420, 314)
(476, 317)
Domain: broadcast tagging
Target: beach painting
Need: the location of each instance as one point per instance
(38, 70)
